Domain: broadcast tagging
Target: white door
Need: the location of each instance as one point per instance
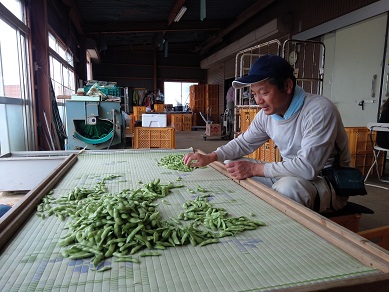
(353, 70)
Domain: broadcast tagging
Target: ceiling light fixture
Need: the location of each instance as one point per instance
(203, 9)
(180, 14)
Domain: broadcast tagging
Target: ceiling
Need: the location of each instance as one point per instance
(144, 25)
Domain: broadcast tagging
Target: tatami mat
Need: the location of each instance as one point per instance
(281, 254)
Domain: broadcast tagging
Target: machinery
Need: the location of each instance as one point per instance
(228, 124)
(93, 124)
(224, 130)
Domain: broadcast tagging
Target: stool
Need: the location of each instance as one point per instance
(379, 236)
(349, 215)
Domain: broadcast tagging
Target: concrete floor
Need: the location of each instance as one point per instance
(377, 198)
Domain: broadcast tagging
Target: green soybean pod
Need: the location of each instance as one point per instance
(209, 241)
(81, 255)
(68, 240)
(175, 238)
(149, 253)
(159, 246)
(104, 269)
(137, 248)
(98, 259)
(133, 233)
(110, 251)
(127, 259)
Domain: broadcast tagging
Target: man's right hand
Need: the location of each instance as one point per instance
(199, 160)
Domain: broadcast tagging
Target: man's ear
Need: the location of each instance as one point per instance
(289, 86)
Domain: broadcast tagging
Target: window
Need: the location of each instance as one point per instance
(89, 71)
(15, 7)
(11, 86)
(16, 119)
(61, 68)
(177, 93)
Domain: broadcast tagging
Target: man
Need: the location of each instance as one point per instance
(305, 127)
(230, 103)
(382, 139)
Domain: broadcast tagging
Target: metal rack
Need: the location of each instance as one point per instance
(306, 57)
(243, 61)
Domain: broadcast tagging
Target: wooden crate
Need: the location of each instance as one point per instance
(212, 105)
(129, 132)
(177, 121)
(211, 92)
(176, 118)
(269, 152)
(187, 118)
(361, 150)
(154, 138)
(187, 126)
(159, 107)
(138, 111)
(359, 140)
(177, 126)
(202, 99)
(266, 153)
(246, 116)
(255, 154)
(198, 120)
(198, 91)
(363, 162)
(211, 88)
(197, 105)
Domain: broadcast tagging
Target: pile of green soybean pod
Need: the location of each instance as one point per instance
(174, 162)
(123, 224)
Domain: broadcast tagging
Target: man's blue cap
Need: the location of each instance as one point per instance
(263, 68)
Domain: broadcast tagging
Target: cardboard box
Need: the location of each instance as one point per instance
(213, 129)
(154, 120)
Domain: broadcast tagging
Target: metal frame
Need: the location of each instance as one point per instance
(377, 127)
(309, 67)
(243, 61)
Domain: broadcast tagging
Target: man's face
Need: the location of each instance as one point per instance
(270, 98)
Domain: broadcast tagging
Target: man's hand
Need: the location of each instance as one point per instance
(199, 160)
(241, 169)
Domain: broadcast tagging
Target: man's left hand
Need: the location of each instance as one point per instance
(241, 169)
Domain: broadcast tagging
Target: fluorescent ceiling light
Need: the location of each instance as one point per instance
(180, 14)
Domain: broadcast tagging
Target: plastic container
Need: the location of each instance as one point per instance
(154, 138)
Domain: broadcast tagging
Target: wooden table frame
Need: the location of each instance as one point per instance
(353, 244)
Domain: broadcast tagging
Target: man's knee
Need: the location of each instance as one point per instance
(297, 189)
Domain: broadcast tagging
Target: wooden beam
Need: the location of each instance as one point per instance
(74, 15)
(254, 9)
(12, 221)
(39, 37)
(350, 242)
(136, 27)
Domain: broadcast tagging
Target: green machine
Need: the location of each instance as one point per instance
(93, 124)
